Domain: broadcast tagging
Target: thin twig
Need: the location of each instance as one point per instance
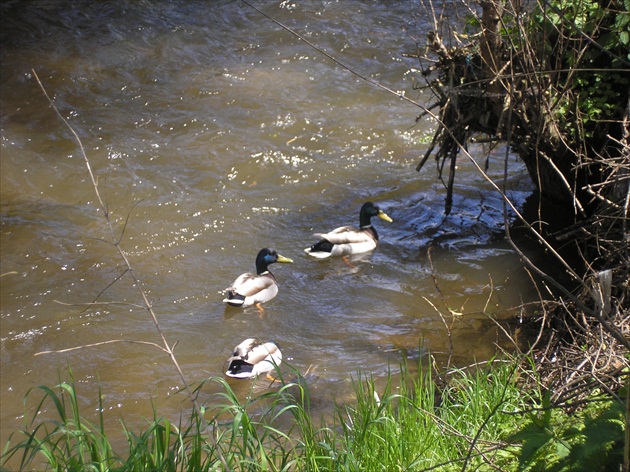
(111, 341)
(487, 419)
(89, 304)
(166, 347)
(448, 332)
(334, 59)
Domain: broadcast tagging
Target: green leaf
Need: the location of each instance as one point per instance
(562, 449)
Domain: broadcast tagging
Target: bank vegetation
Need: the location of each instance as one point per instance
(552, 80)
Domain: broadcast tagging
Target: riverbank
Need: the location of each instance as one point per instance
(479, 419)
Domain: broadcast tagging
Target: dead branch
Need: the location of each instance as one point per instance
(117, 244)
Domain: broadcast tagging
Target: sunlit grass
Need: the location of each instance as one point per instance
(411, 424)
(414, 425)
(463, 420)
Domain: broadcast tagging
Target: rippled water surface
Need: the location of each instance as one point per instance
(213, 133)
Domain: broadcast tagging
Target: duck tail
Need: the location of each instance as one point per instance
(321, 250)
(239, 369)
(234, 299)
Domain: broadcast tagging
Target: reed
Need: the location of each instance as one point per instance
(409, 425)
(69, 442)
(412, 425)
(468, 419)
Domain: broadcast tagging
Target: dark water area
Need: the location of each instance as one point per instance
(213, 133)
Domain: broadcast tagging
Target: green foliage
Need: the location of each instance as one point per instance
(69, 443)
(411, 425)
(590, 441)
(473, 421)
(622, 26)
(586, 52)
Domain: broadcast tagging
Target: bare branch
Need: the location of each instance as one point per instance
(147, 305)
(112, 341)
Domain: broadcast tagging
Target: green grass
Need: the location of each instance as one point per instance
(467, 420)
(419, 426)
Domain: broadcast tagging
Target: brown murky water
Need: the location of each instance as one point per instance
(214, 133)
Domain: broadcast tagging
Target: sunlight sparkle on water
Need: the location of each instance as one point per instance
(278, 157)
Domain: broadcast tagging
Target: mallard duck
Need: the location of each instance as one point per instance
(348, 240)
(253, 289)
(251, 358)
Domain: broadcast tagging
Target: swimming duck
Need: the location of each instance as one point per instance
(251, 358)
(348, 240)
(253, 289)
